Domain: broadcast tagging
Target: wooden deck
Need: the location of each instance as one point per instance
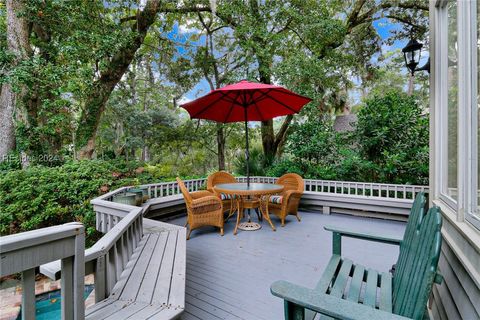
(229, 277)
(152, 284)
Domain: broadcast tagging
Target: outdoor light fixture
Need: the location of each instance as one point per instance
(411, 53)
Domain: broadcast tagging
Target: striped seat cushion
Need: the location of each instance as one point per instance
(225, 196)
(276, 199)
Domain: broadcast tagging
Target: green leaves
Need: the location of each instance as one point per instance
(389, 144)
(40, 196)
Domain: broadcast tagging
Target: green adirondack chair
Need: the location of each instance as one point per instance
(401, 295)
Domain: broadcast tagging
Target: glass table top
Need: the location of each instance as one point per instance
(251, 187)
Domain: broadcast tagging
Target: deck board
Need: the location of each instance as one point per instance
(229, 277)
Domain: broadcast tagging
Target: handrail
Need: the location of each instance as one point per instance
(24, 252)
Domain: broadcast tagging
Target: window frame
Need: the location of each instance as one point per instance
(470, 25)
(441, 100)
(466, 205)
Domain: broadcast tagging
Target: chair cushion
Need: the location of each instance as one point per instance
(276, 199)
(225, 196)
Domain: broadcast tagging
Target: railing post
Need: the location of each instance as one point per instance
(67, 289)
(79, 276)
(28, 294)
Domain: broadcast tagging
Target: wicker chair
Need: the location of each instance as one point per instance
(203, 209)
(287, 202)
(222, 177)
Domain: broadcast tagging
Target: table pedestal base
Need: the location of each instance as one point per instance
(249, 226)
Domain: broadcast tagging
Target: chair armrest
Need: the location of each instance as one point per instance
(338, 233)
(201, 194)
(327, 304)
(290, 193)
(203, 201)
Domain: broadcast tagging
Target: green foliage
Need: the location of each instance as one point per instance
(389, 144)
(257, 163)
(41, 196)
(394, 138)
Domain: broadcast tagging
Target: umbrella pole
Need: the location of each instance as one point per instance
(247, 153)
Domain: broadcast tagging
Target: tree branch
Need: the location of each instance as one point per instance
(171, 10)
(407, 22)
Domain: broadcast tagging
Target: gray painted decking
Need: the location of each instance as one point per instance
(229, 277)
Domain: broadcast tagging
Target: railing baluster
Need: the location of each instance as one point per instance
(110, 222)
(100, 279)
(118, 261)
(97, 220)
(111, 272)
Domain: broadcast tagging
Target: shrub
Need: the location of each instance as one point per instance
(43, 196)
(392, 135)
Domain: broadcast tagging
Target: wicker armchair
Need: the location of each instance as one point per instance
(222, 177)
(287, 202)
(203, 209)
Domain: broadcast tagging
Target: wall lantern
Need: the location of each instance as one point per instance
(411, 53)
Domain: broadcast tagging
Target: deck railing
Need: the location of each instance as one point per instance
(367, 189)
(108, 257)
(24, 252)
(323, 195)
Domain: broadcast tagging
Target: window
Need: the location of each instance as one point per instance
(451, 183)
(456, 99)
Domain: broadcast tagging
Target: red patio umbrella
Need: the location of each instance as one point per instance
(246, 101)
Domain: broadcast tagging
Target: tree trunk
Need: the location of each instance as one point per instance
(102, 88)
(10, 101)
(7, 127)
(220, 146)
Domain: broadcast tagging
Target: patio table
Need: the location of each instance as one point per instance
(250, 196)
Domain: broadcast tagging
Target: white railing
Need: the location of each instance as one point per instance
(108, 257)
(320, 195)
(367, 189)
(24, 252)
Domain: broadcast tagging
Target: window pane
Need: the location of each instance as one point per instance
(452, 101)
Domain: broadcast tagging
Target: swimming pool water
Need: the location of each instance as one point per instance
(48, 305)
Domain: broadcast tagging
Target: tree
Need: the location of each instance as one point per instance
(14, 52)
(313, 30)
(72, 71)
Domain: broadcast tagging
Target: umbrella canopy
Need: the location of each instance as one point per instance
(246, 101)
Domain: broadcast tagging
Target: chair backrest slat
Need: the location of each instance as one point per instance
(415, 279)
(414, 221)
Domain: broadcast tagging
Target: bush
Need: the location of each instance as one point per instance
(393, 133)
(389, 144)
(42, 196)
